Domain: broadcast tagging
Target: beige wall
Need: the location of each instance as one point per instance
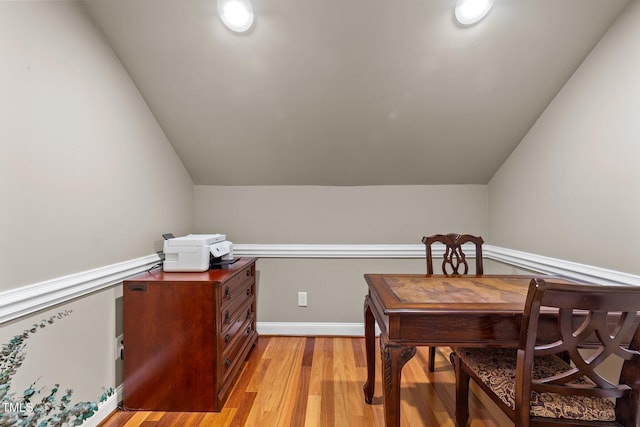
(308, 214)
(570, 189)
(87, 177)
(360, 215)
(335, 287)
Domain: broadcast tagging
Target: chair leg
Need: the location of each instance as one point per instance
(462, 395)
(432, 359)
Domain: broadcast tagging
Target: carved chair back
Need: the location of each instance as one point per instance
(454, 261)
(608, 319)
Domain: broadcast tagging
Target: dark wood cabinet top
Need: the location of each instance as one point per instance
(218, 275)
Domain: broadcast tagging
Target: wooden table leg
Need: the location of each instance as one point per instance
(394, 358)
(370, 351)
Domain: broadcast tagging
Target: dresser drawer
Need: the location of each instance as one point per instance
(237, 323)
(235, 303)
(232, 360)
(236, 284)
(231, 355)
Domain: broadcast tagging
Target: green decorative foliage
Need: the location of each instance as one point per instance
(30, 409)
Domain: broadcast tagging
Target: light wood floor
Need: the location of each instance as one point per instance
(309, 382)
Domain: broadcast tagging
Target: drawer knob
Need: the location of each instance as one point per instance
(248, 291)
(227, 362)
(248, 273)
(248, 312)
(227, 317)
(249, 329)
(227, 294)
(227, 338)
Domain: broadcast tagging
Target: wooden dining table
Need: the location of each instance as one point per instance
(437, 310)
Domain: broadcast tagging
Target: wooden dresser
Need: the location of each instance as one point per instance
(186, 336)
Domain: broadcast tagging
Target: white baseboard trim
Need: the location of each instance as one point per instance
(312, 329)
(105, 409)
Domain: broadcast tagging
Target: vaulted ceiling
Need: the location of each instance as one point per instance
(349, 92)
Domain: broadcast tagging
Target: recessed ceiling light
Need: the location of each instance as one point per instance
(237, 15)
(468, 12)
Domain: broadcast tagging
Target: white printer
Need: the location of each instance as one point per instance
(196, 252)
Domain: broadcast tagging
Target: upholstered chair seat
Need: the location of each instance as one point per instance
(496, 368)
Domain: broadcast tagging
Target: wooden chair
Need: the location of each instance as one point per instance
(454, 262)
(534, 386)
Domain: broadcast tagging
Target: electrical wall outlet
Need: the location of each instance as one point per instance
(302, 299)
